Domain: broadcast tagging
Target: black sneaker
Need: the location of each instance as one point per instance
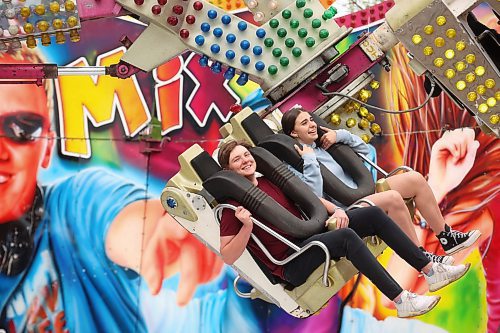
(447, 260)
(453, 241)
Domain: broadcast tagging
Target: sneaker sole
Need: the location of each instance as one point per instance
(421, 312)
(444, 283)
(472, 239)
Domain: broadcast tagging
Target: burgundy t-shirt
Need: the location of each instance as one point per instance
(230, 226)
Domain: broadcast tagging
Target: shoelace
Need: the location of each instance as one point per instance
(457, 234)
(434, 257)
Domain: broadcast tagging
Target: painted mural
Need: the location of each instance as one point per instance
(83, 162)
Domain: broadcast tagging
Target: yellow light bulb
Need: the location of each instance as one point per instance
(428, 51)
(451, 33)
(370, 117)
(494, 119)
(449, 73)
(30, 42)
(72, 21)
(490, 83)
(74, 36)
(57, 23)
(40, 9)
(449, 54)
(364, 94)
(439, 62)
(470, 77)
(356, 105)
(491, 102)
(441, 20)
(461, 85)
(54, 7)
(497, 95)
(45, 38)
(483, 108)
(460, 45)
(375, 129)
(479, 70)
(470, 58)
(374, 84)
(363, 112)
(43, 26)
(472, 96)
(351, 122)
(335, 119)
(480, 89)
(69, 6)
(439, 41)
(460, 66)
(28, 28)
(363, 123)
(429, 29)
(416, 39)
(365, 138)
(25, 12)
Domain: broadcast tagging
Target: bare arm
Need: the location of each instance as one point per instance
(231, 247)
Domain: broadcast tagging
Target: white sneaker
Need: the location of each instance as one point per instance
(415, 305)
(444, 275)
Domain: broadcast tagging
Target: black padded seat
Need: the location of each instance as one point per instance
(282, 146)
(225, 184)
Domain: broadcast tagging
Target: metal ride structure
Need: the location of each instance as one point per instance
(290, 49)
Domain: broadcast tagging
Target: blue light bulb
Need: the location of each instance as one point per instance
(245, 44)
(259, 65)
(230, 54)
(245, 60)
(203, 61)
(212, 14)
(229, 74)
(218, 32)
(216, 67)
(226, 19)
(261, 33)
(230, 38)
(205, 27)
(243, 79)
(200, 40)
(242, 26)
(215, 48)
(257, 50)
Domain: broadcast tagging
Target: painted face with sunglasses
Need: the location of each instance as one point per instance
(25, 146)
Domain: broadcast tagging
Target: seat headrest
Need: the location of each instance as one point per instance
(205, 166)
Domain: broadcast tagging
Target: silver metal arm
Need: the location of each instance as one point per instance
(298, 250)
(382, 171)
(83, 70)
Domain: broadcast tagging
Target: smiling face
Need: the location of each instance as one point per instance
(305, 129)
(242, 162)
(24, 118)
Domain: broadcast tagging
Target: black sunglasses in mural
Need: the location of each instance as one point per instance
(23, 127)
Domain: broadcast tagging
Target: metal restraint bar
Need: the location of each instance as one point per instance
(298, 250)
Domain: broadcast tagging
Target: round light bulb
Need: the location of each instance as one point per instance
(449, 73)
(439, 62)
(472, 96)
(449, 54)
(490, 83)
(483, 108)
(491, 102)
(494, 119)
(461, 85)
(441, 20)
(470, 58)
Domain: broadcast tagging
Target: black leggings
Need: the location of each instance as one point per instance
(347, 242)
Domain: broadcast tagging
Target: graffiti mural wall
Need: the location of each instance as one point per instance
(83, 162)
